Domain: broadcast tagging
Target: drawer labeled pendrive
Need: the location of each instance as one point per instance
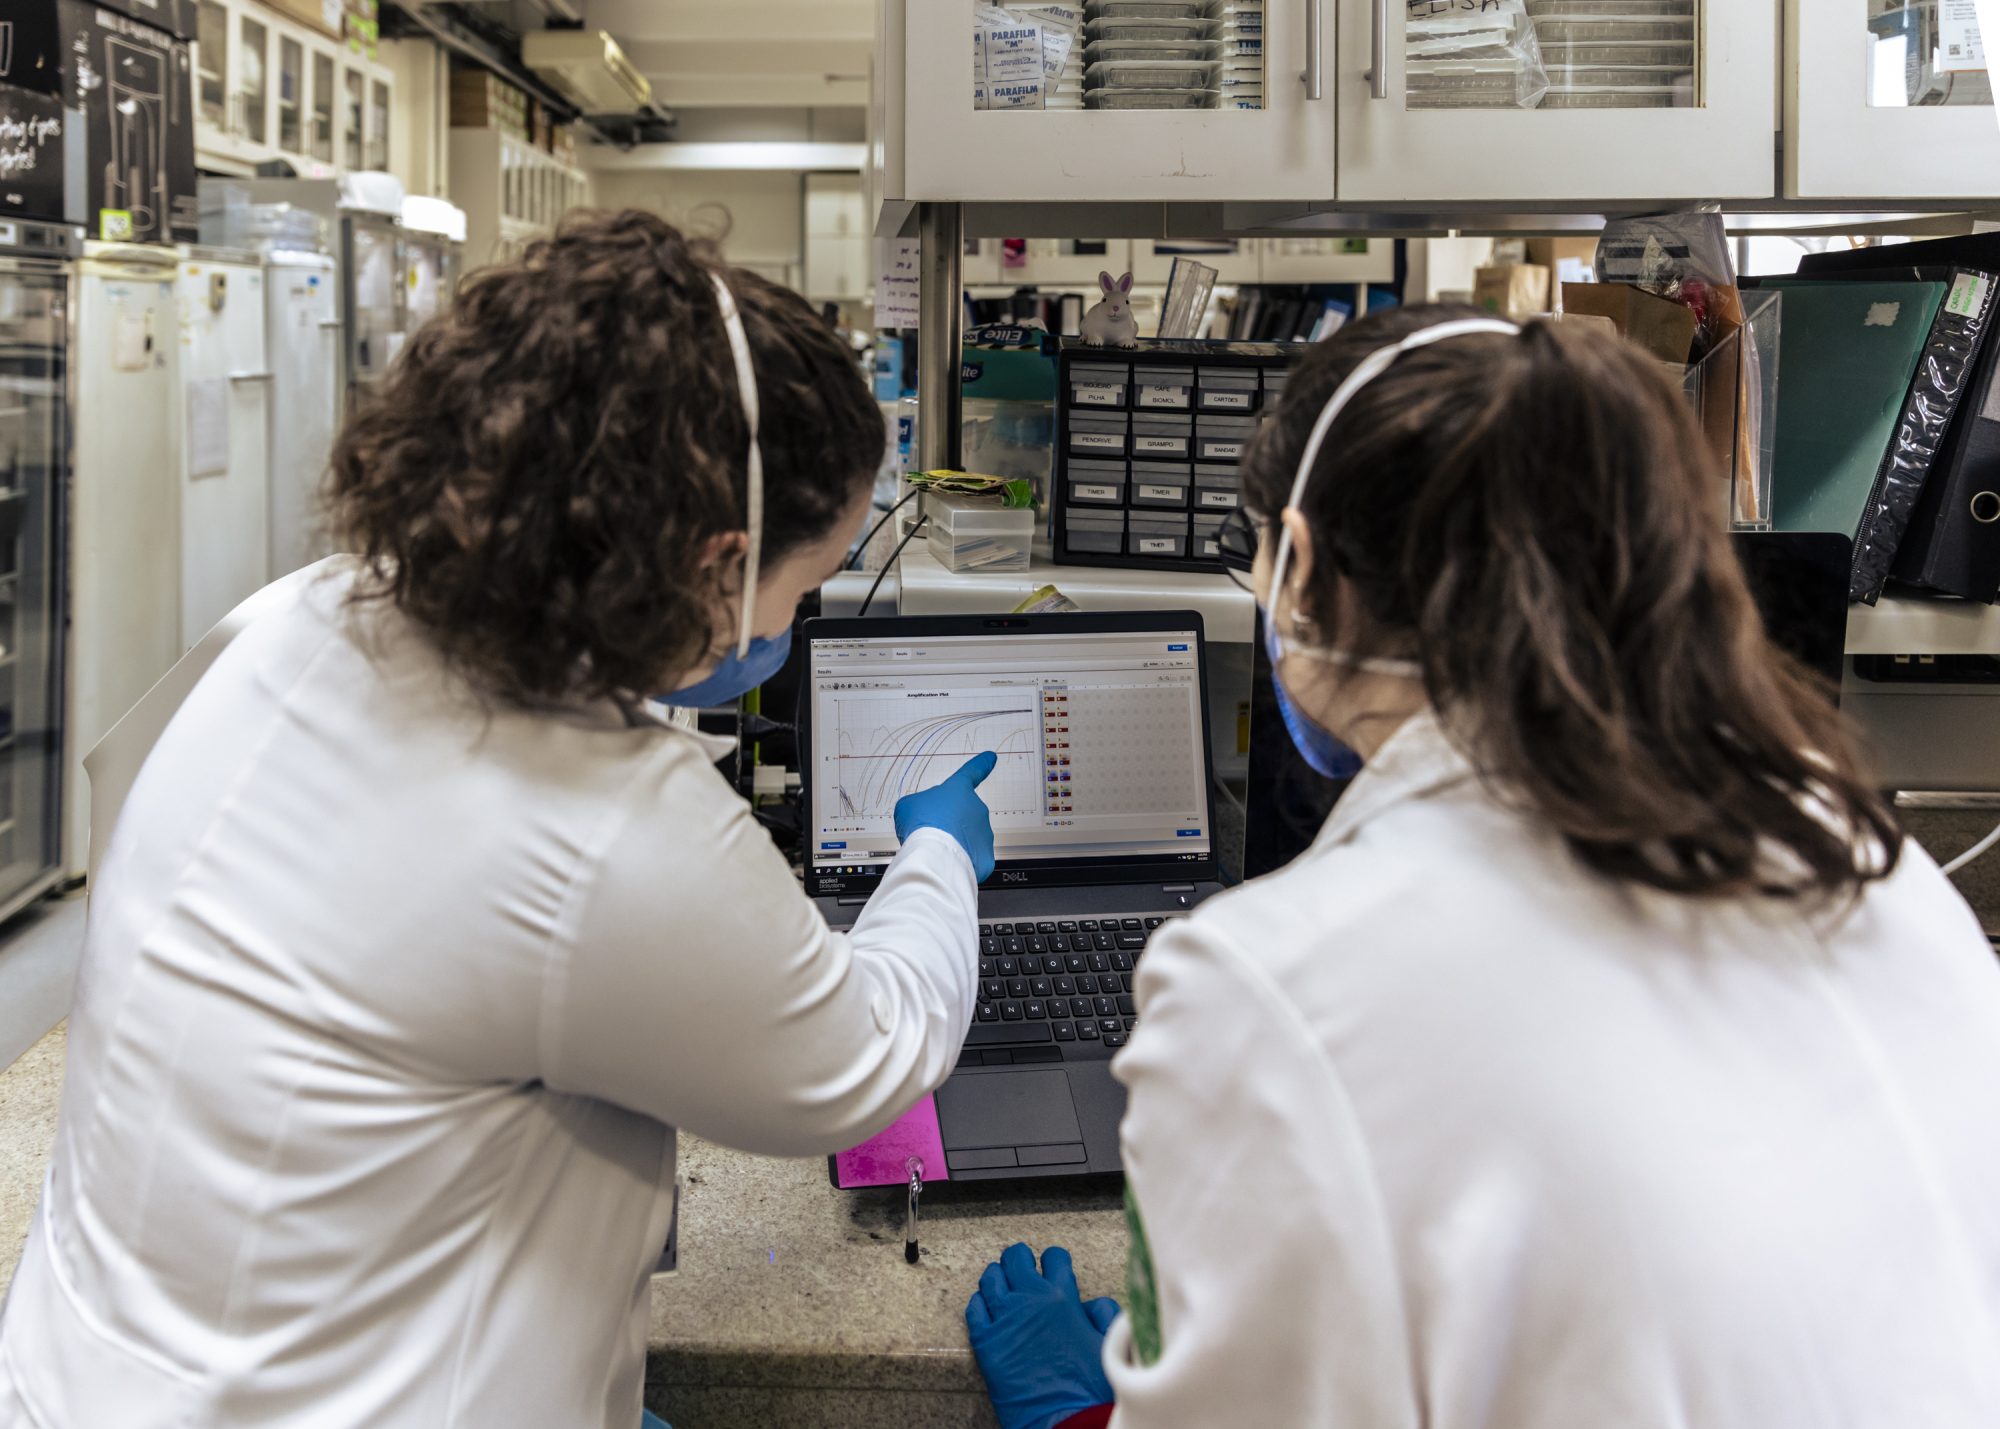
(1095, 385)
(1096, 483)
(1163, 389)
(1099, 533)
(1161, 485)
(1162, 438)
(1151, 534)
(1223, 439)
(1208, 536)
(1227, 389)
(1217, 488)
(1093, 434)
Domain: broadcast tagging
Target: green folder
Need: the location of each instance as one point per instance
(1849, 353)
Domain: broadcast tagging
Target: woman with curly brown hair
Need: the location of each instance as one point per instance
(419, 933)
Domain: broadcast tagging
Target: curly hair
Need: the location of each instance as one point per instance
(537, 480)
(1534, 519)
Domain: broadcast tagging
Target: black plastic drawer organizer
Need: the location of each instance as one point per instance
(1150, 445)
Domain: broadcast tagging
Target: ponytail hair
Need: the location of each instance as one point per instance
(1536, 520)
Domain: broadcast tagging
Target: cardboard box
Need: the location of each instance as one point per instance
(179, 18)
(32, 149)
(1666, 330)
(32, 59)
(483, 101)
(1516, 291)
(323, 17)
(1569, 260)
(128, 96)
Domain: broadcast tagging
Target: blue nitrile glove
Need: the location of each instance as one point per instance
(955, 808)
(1039, 1346)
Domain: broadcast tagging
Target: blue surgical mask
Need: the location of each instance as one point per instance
(1316, 745)
(1323, 754)
(755, 658)
(735, 676)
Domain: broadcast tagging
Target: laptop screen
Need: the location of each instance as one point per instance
(1102, 749)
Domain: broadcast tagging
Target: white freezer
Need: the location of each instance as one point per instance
(302, 300)
(225, 438)
(125, 560)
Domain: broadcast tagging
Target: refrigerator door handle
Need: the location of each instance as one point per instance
(331, 324)
(249, 377)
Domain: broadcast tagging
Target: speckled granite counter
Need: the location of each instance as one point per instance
(793, 1304)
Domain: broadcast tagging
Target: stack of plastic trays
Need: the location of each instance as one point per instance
(1148, 54)
(1239, 44)
(1465, 59)
(1617, 54)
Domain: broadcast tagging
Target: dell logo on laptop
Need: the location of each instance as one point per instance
(1013, 878)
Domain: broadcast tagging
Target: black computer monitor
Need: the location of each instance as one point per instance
(1799, 580)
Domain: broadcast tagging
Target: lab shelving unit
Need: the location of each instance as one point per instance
(512, 192)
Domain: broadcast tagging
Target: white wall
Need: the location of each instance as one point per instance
(767, 211)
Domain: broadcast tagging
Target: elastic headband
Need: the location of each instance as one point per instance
(1369, 368)
(753, 481)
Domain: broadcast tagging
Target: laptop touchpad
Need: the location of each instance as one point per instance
(1007, 1109)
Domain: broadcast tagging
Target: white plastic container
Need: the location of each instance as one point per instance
(973, 534)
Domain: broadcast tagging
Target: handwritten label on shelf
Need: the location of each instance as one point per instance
(898, 288)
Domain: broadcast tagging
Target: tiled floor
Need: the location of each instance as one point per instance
(39, 950)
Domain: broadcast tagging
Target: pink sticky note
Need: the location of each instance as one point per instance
(879, 1161)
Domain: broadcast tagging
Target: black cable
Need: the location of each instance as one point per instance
(861, 546)
(894, 556)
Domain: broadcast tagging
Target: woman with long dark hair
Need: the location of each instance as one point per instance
(421, 931)
(1609, 1059)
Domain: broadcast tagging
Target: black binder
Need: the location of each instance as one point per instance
(1953, 540)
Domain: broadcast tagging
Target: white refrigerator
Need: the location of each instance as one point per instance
(225, 437)
(302, 299)
(125, 557)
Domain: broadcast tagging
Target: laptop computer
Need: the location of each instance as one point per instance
(1102, 834)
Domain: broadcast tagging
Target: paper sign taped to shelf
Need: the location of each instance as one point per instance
(897, 286)
(1959, 47)
(208, 427)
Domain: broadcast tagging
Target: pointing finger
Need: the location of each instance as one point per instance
(974, 771)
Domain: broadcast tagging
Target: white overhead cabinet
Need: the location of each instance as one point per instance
(837, 242)
(1888, 100)
(269, 88)
(1163, 134)
(1552, 101)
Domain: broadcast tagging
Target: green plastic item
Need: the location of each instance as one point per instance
(1850, 352)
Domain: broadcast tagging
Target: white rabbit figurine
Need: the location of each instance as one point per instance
(1110, 321)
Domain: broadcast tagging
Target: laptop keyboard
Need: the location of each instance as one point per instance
(1059, 980)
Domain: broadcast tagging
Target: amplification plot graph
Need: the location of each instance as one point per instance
(883, 749)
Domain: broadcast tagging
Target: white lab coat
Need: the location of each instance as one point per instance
(389, 1008)
(1435, 1128)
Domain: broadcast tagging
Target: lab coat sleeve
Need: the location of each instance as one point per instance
(703, 988)
(1259, 1246)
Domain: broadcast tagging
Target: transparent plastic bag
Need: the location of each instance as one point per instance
(1469, 54)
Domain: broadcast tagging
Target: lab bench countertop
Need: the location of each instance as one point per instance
(792, 1304)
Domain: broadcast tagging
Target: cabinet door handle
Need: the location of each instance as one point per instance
(1315, 76)
(249, 377)
(1378, 52)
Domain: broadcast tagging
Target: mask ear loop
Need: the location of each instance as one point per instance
(753, 480)
(1370, 367)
